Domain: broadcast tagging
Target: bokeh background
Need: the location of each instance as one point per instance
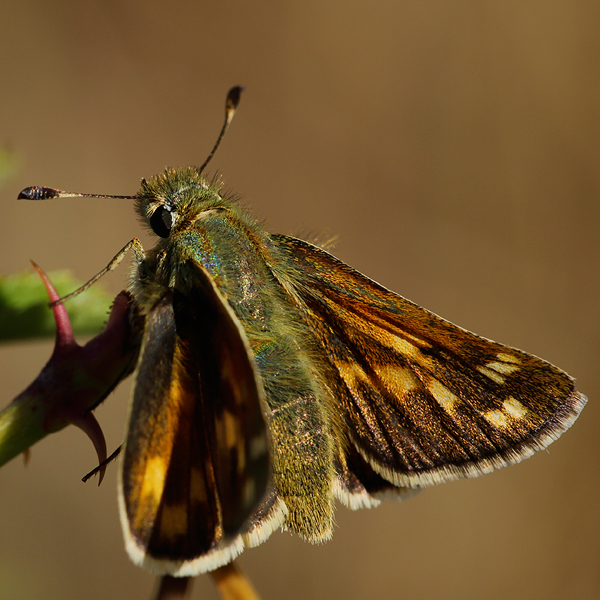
(453, 148)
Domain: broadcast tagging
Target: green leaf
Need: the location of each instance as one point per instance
(24, 310)
(9, 164)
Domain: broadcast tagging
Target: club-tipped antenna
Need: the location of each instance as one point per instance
(46, 193)
(231, 103)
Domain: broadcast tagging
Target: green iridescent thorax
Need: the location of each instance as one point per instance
(233, 255)
(210, 229)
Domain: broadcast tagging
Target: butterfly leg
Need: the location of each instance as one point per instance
(140, 256)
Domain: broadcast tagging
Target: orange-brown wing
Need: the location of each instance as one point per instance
(424, 401)
(196, 459)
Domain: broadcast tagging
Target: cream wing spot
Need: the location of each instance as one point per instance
(508, 358)
(398, 380)
(352, 373)
(491, 374)
(229, 426)
(443, 396)
(258, 447)
(503, 368)
(229, 423)
(154, 480)
(399, 344)
(151, 491)
(514, 408)
(497, 418)
(405, 344)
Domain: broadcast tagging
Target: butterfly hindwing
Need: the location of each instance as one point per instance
(424, 400)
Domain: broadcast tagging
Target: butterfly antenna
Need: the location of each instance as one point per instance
(46, 193)
(231, 103)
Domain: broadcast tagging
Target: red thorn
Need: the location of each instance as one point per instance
(26, 456)
(89, 425)
(64, 331)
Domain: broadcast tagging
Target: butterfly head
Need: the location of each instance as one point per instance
(176, 198)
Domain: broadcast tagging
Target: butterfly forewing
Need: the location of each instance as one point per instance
(232, 393)
(424, 400)
(196, 458)
(167, 479)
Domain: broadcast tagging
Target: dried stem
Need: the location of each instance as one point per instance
(173, 588)
(232, 584)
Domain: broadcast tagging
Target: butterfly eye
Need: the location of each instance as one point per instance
(161, 222)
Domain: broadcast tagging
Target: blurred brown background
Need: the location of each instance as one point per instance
(454, 149)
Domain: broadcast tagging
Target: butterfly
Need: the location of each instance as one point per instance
(273, 379)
